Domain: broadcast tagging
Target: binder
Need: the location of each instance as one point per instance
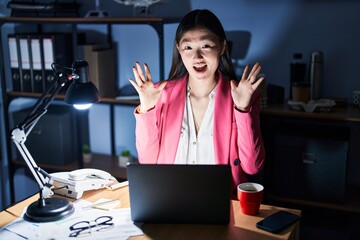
(14, 62)
(48, 59)
(36, 64)
(102, 68)
(56, 48)
(25, 70)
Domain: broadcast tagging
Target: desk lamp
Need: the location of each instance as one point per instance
(81, 93)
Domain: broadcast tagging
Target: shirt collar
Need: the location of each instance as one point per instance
(211, 95)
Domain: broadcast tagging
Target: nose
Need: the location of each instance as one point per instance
(198, 54)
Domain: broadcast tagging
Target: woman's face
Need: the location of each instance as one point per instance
(200, 52)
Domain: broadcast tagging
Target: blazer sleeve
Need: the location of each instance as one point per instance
(249, 140)
(147, 136)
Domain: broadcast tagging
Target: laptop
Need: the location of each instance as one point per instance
(184, 194)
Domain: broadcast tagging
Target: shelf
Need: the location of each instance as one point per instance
(99, 161)
(108, 164)
(61, 97)
(347, 113)
(81, 20)
(68, 167)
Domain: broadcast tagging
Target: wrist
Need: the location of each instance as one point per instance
(243, 109)
(144, 109)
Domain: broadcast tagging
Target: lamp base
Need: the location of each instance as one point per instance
(53, 209)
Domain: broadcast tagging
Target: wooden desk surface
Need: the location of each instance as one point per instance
(240, 227)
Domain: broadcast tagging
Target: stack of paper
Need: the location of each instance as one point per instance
(114, 224)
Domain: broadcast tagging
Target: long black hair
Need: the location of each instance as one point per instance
(204, 19)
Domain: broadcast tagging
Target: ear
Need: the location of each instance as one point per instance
(223, 48)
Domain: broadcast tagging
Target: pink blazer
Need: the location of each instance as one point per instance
(237, 136)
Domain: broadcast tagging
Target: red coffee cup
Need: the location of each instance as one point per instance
(250, 196)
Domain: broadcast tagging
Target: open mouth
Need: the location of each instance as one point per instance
(200, 68)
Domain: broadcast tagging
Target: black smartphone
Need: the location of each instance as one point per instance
(277, 221)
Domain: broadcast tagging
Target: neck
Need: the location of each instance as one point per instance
(201, 89)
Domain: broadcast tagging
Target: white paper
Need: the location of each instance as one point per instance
(20, 229)
(122, 228)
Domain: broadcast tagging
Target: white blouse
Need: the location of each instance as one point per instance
(200, 149)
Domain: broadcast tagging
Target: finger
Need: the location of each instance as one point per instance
(135, 85)
(137, 76)
(148, 73)
(257, 83)
(140, 71)
(244, 75)
(255, 70)
(255, 74)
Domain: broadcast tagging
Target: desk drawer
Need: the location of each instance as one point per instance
(309, 168)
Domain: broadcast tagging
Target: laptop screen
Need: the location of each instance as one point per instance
(179, 193)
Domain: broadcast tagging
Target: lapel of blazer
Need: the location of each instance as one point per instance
(174, 117)
(223, 112)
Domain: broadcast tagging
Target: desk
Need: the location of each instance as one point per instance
(347, 114)
(240, 226)
(314, 153)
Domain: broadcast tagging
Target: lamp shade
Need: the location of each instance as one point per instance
(82, 90)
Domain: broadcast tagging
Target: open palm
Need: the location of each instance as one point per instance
(148, 92)
(241, 92)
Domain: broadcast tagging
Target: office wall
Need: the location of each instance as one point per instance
(277, 29)
(280, 28)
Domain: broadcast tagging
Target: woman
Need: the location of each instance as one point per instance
(201, 115)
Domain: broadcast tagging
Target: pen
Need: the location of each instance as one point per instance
(100, 203)
(118, 185)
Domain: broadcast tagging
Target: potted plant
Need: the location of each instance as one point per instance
(86, 153)
(124, 158)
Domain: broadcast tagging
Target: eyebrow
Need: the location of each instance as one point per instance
(204, 37)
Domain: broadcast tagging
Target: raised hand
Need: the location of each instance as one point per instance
(242, 92)
(149, 94)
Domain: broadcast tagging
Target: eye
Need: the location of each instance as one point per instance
(208, 45)
(187, 48)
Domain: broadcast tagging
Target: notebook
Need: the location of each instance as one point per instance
(188, 194)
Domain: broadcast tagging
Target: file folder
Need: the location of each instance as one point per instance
(56, 48)
(25, 70)
(36, 64)
(48, 56)
(14, 62)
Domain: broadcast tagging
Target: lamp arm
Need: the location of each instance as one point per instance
(44, 181)
(45, 100)
(20, 133)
